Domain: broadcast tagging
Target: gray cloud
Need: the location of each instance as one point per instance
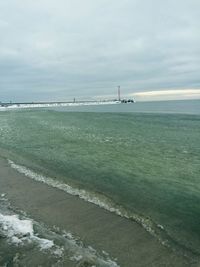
(55, 50)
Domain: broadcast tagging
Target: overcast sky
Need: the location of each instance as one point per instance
(60, 49)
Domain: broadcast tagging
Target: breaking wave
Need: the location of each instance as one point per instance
(156, 230)
(100, 201)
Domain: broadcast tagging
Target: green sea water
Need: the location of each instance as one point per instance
(147, 163)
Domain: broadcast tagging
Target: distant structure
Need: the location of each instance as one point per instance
(125, 100)
(119, 93)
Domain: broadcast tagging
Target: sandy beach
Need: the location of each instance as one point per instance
(123, 239)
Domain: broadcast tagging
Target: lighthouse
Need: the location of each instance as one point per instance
(119, 93)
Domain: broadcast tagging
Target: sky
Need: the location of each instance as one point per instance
(55, 50)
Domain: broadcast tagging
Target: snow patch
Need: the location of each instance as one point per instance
(19, 231)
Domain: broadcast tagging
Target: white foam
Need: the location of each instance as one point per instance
(100, 201)
(15, 240)
(83, 194)
(81, 254)
(44, 243)
(14, 226)
(18, 231)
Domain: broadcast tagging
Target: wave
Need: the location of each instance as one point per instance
(156, 230)
(100, 201)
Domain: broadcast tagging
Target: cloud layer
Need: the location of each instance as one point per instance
(57, 50)
(168, 94)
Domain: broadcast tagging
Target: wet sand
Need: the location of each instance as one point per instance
(121, 238)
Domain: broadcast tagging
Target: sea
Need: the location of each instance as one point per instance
(140, 161)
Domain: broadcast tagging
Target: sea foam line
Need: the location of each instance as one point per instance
(156, 230)
(99, 201)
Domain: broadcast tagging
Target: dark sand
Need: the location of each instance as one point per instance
(121, 238)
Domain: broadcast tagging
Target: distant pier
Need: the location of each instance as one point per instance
(62, 104)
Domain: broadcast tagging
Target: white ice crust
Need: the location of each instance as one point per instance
(19, 231)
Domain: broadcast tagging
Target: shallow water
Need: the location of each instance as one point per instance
(25, 242)
(148, 164)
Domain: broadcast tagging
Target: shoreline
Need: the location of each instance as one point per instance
(121, 238)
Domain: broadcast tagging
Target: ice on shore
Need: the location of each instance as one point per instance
(18, 231)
